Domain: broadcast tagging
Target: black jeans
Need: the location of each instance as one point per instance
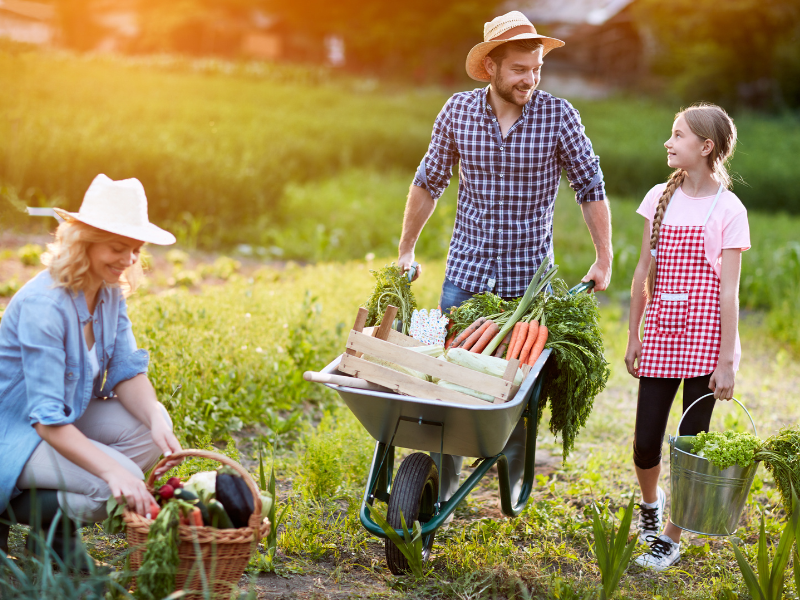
(652, 411)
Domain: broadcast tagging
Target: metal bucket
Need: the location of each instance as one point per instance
(705, 499)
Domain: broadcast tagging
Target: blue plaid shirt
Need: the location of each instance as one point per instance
(507, 187)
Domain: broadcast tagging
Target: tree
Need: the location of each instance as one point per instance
(736, 53)
(414, 38)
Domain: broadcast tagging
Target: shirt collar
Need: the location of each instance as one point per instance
(79, 299)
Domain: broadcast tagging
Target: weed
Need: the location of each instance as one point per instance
(410, 545)
(612, 549)
(30, 254)
(766, 583)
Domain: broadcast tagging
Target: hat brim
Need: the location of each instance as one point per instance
(149, 233)
(477, 71)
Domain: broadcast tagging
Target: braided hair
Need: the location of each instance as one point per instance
(708, 122)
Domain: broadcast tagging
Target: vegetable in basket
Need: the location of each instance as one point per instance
(724, 449)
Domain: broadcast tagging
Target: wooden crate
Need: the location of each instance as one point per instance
(385, 343)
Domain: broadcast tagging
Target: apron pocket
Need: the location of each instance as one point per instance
(672, 312)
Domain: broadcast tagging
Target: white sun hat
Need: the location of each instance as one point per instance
(118, 207)
(505, 28)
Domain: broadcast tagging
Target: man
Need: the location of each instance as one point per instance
(511, 143)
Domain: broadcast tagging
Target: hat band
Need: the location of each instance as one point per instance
(514, 31)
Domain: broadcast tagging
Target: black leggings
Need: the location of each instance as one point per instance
(652, 411)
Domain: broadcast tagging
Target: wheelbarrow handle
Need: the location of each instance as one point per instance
(706, 396)
(584, 286)
(412, 271)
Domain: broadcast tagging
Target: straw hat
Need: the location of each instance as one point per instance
(505, 28)
(119, 207)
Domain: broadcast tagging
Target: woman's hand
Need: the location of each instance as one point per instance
(166, 440)
(722, 382)
(633, 355)
(123, 483)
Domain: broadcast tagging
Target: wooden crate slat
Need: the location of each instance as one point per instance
(487, 384)
(402, 383)
(396, 338)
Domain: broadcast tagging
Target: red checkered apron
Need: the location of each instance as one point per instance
(682, 326)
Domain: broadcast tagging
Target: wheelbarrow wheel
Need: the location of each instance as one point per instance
(414, 492)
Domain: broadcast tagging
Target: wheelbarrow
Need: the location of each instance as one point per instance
(478, 430)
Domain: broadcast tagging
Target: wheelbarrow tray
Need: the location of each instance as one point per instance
(438, 425)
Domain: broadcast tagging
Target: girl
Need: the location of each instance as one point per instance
(79, 420)
(688, 278)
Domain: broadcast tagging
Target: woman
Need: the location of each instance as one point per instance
(79, 420)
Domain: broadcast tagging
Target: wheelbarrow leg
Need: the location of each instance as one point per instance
(513, 506)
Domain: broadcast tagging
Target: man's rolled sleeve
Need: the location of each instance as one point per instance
(44, 361)
(577, 157)
(436, 169)
(127, 361)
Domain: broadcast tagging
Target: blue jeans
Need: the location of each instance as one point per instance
(452, 295)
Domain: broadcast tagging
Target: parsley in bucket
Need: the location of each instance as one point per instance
(707, 499)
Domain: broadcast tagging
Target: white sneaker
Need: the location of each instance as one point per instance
(663, 554)
(651, 519)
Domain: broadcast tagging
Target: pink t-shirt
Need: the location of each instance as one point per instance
(727, 227)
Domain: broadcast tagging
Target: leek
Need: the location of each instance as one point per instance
(538, 283)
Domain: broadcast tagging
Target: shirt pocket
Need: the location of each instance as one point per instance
(672, 312)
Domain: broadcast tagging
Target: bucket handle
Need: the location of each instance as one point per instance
(677, 431)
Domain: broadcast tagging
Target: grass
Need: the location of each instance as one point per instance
(205, 341)
(221, 147)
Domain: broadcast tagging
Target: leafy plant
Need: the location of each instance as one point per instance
(781, 455)
(767, 584)
(612, 549)
(391, 287)
(46, 576)
(30, 254)
(579, 370)
(410, 545)
(266, 562)
(724, 449)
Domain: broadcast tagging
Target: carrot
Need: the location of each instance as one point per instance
(468, 331)
(501, 349)
(486, 337)
(476, 335)
(196, 517)
(154, 510)
(450, 338)
(516, 347)
(514, 337)
(530, 340)
(541, 340)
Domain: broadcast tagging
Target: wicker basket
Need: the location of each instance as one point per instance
(224, 552)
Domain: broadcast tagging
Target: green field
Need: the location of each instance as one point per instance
(302, 176)
(218, 145)
(238, 348)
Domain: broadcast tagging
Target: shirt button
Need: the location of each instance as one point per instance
(493, 119)
(501, 147)
(501, 174)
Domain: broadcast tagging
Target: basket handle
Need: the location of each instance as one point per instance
(220, 458)
(706, 396)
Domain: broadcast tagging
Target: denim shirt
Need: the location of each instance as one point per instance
(45, 372)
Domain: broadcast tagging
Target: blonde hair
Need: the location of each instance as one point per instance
(67, 258)
(709, 122)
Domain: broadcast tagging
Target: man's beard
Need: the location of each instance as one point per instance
(506, 92)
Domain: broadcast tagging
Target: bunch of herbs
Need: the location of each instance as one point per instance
(391, 287)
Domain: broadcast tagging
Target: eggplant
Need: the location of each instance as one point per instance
(236, 497)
